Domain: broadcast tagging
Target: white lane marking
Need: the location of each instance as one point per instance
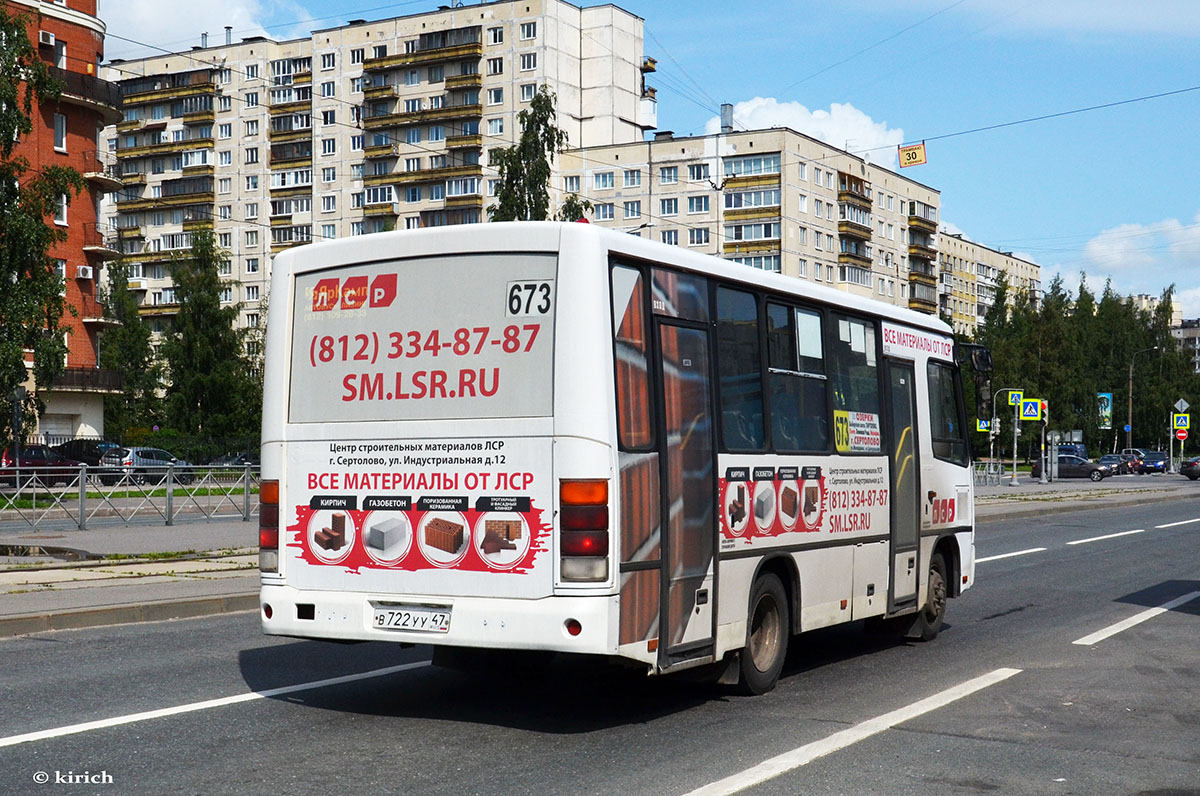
(1182, 522)
(1011, 555)
(1136, 619)
(1107, 536)
(803, 755)
(131, 718)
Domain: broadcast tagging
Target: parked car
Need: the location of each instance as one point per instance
(1136, 455)
(1075, 467)
(236, 459)
(88, 451)
(1072, 449)
(1116, 463)
(143, 466)
(1191, 468)
(46, 464)
(1154, 462)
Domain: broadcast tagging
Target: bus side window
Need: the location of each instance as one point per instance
(947, 429)
(796, 380)
(739, 369)
(855, 378)
(630, 350)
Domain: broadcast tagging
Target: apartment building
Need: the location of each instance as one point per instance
(1187, 332)
(355, 129)
(772, 199)
(1147, 303)
(70, 40)
(967, 280)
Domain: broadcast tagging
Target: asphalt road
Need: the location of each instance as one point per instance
(1005, 701)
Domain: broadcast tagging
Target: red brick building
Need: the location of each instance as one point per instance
(70, 39)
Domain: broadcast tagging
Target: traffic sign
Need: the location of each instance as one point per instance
(1031, 408)
(1015, 397)
(1180, 421)
(1181, 405)
(1128, 428)
(1181, 434)
(982, 425)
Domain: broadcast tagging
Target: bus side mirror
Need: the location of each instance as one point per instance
(981, 360)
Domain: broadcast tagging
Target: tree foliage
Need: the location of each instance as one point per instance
(524, 186)
(209, 381)
(1070, 346)
(127, 350)
(31, 302)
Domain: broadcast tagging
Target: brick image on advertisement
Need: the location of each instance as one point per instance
(444, 535)
(789, 501)
(509, 530)
(383, 534)
(811, 495)
(493, 543)
(737, 508)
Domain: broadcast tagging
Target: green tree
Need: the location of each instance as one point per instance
(208, 377)
(573, 208)
(127, 350)
(31, 303)
(524, 167)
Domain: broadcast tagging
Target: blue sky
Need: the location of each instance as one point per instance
(1113, 192)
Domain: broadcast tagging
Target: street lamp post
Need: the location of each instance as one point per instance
(1129, 420)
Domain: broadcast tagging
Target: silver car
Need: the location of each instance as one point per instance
(143, 466)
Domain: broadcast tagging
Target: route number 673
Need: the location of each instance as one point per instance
(528, 298)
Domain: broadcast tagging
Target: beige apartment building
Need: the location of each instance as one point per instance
(354, 129)
(967, 280)
(772, 199)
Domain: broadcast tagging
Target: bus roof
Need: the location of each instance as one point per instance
(555, 236)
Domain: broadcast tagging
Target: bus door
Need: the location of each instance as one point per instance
(905, 485)
(688, 501)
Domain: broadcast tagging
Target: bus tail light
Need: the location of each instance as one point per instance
(268, 526)
(583, 525)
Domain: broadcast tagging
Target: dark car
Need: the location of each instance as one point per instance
(1190, 468)
(1075, 467)
(88, 451)
(1072, 449)
(1154, 462)
(46, 464)
(1116, 463)
(236, 459)
(144, 466)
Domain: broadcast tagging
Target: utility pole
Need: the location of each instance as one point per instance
(1129, 421)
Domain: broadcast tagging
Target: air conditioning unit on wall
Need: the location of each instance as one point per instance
(83, 272)
(45, 38)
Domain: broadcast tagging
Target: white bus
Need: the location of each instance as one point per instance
(543, 436)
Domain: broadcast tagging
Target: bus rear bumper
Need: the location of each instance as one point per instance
(492, 622)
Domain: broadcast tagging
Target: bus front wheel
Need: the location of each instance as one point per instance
(933, 612)
(767, 632)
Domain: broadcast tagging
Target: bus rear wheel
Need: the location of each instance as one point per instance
(767, 632)
(933, 612)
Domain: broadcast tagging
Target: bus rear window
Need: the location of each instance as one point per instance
(424, 339)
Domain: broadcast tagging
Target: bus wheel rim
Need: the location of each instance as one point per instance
(937, 595)
(764, 633)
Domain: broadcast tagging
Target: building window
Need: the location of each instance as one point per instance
(697, 204)
(698, 172)
(328, 60)
(495, 96)
(356, 227)
(328, 146)
(528, 90)
(356, 55)
(251, 71)
(495, 66)
(251, 210)
(225, 103)
(571, 184)
(604, 212)
(633, 209)
(60, 210)
(698, 237)
(328, 174)
(668, 175)
(251, 292)
(670, 207)
(603, 179)
(670, 237)
(252, 154)
(528, 62)
(225, 185)
(252, 237)
(379, 51)
(412, 164)
(252, 265)
(60, 132)
(412, 135)
(224, 239)
(495, 126)
(328, 203)
(412, 194)
(225, 130)
(633, 178)
(225, 158)
(437, 133)
(225, 212)
(252, 127)
(495, 35)
(528, 30)
(251, 99)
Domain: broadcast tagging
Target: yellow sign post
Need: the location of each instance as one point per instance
(913, 155)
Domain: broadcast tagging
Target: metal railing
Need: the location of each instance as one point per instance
(988, 473)
(78, 496)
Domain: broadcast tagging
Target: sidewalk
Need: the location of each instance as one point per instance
(199, 568)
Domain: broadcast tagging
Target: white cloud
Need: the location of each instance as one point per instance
(842, 126)
(953, 229)
(177, 27)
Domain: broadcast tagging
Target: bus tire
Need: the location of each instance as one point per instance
(933, 612)
(767, 631)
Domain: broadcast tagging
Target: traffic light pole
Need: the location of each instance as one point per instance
(1016, 420)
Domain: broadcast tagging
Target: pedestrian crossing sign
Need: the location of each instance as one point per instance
(1015, 397)
(983, 425)
(1181, 421)
(1031, 409)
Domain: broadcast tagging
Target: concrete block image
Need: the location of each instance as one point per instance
(764, 502)
(382, 535)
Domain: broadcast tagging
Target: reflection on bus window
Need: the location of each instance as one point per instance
(948, 431)
(738, 367)
(855, 387)
(796, 380)
(633, 382)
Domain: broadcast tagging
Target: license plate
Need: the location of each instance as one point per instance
(413, 618)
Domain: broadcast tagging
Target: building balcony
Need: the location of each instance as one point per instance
(862, 260)
(206, 170)
(197, 224)
(387, 209)
(295, 106)
(470, 200)
(387, 178)
(99, 322)
(380, 151)
(89, 380)
(167, 147)
(302, 79)
(750, 181)
(922, 250)
(751, 247)
(100, 169)
(752, 213)
(282, 220)
(921, 304)
(290, 160)
(855, 198)
(923, 224)
(419, 117)
(287, 191)
(168, 93)
(139, 284)
(464, 81)
(457, 52)
(158, 310)
(131, 177)
(382, 91)
(200, 117)
(919, 278)
(90, 92)
(437, 175)
(464, 141)
(649, 65)
(289, 136)
(101, 240)
(853, 229)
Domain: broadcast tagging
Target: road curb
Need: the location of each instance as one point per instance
(78, 618)
(1068, 507)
